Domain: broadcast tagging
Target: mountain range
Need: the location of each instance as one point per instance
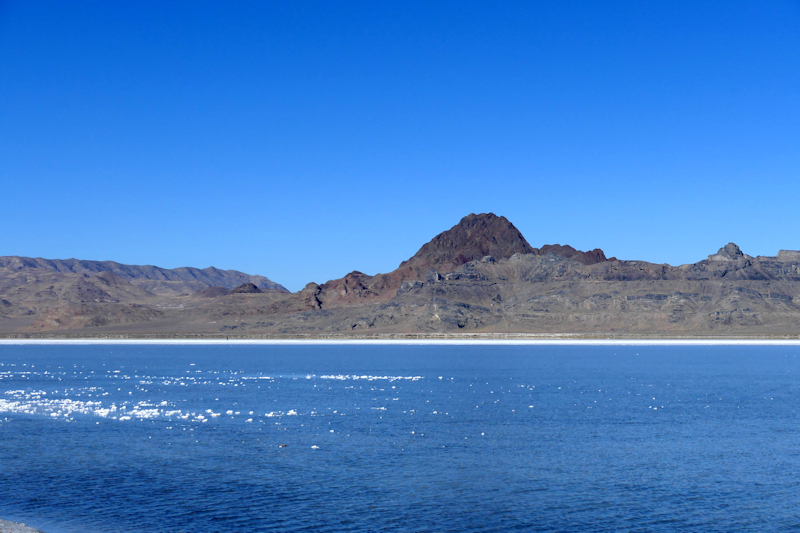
(480, 276)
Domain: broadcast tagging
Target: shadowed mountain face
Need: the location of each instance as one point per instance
(479, 276)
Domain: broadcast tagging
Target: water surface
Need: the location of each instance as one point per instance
(400, 438)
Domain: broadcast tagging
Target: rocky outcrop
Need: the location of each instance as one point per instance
(729, 252)
(788, 255)
(310, 296)
(352, 287)
(585, 258)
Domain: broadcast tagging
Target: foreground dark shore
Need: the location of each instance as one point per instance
(14, 527)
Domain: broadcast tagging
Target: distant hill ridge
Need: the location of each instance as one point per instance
(150, 277)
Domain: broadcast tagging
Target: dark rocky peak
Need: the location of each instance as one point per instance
(472, 239)
(586, 258)
(729, 252)
(245, 288)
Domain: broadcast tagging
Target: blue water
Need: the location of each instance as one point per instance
(400, 438)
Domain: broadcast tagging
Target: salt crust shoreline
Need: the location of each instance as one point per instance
(538, 341)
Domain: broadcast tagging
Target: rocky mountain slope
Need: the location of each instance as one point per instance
(474, 237)
(480, 276)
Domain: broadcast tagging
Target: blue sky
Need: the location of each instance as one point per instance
(304, 140)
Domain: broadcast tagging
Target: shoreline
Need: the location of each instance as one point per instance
(444, 340)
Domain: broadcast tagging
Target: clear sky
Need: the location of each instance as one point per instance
(302, 140)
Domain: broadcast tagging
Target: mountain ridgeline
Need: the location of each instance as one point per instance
(157, 280)
(480, 276)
